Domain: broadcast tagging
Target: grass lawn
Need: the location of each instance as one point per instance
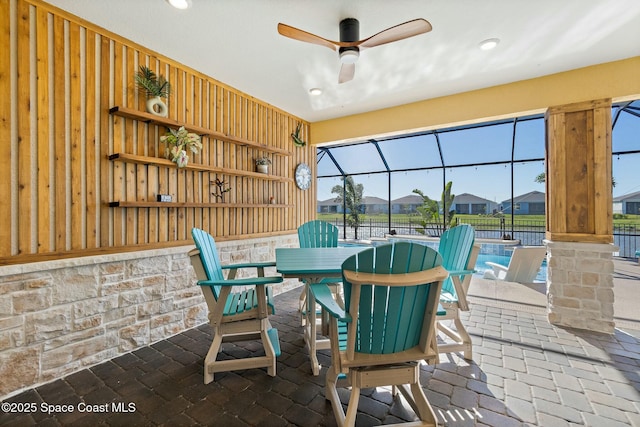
(485, 220)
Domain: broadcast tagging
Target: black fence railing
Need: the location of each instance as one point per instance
(529, 232)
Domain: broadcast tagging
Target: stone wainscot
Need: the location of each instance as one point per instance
(58, 317)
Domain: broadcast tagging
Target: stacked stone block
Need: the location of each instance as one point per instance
(61, 316)
(580, 285)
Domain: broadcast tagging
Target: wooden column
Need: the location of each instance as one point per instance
(578, 182)
(579, 216)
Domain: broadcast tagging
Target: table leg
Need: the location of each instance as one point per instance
(312, 328)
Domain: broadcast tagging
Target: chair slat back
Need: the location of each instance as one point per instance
(391, 319)
(525, 263)
(209, 257)
(455, 248)
(318, 234)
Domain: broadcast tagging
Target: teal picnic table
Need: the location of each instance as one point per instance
(311, 265)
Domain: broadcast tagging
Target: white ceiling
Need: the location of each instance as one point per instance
(237, 43)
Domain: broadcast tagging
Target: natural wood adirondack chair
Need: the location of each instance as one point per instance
(459, 255)
(391, 298)
(238, 308)
(316, 234)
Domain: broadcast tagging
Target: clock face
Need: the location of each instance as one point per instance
(303, 176)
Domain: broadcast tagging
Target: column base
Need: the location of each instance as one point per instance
(580, 285)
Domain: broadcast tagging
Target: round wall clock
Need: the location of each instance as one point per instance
(303, 176)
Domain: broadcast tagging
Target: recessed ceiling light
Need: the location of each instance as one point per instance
(179, 4)
(489, 44)
(315, 91)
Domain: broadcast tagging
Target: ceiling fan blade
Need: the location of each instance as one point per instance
(347, 71)
(398, 32)
(303, 36)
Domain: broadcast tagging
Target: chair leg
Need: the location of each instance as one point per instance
(464, 338)
(269, 351)
(212, 354)
(460, 336)
(422, 407)
(352, 409)
(331, 394)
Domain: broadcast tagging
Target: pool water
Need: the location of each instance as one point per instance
(481, 265)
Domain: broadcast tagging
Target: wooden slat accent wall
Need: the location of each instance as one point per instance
(59, 76)
(579, 202)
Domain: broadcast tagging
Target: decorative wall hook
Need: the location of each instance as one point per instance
(296, 136)
(220, 190)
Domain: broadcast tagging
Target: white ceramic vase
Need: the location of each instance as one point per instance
(263, 168)
(156, 106)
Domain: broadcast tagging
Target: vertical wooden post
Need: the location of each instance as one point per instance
(578, 182)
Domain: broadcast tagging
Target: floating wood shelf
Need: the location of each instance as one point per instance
(163, 121)
(156, 161)
(143, 204)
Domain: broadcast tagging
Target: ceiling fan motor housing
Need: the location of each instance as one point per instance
(349, 32)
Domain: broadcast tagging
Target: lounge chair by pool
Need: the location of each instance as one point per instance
(523, 266)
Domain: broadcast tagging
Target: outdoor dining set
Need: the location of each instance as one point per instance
(379, 309)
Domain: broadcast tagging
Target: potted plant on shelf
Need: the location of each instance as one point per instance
(178, 142)
(262, 164)
(156, 87)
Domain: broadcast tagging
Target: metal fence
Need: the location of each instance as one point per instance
(528, 232)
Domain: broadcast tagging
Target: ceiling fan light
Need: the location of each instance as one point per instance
(180, 4)
(489, 44)
(349, 56)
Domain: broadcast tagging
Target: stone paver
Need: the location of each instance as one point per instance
(525, 372)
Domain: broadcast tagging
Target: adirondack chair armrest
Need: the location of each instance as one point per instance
(497, 267)
(250, 265)
(323, 296)
(247, 281)
(460, 272)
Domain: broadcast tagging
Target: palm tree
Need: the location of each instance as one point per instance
(430, 211)
(351, 196)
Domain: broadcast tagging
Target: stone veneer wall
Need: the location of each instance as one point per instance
(580, 285)
(58, 317)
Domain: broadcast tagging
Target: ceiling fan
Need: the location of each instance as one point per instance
(349, 46)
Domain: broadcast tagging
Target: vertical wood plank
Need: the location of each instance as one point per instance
(5, 129)
(130, 134)
(603, 171)
(24, 129)
(91, 141)
(76, 144)
(45, 243)
(119, 189)
(105, 144)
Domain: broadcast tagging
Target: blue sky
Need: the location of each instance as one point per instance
(470, 146)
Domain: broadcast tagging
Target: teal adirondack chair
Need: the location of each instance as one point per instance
(391, 299)
(459, 255)
(316, 234)
(238, 308)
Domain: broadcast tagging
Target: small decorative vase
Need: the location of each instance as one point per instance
(156, 106)
(263, 168)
